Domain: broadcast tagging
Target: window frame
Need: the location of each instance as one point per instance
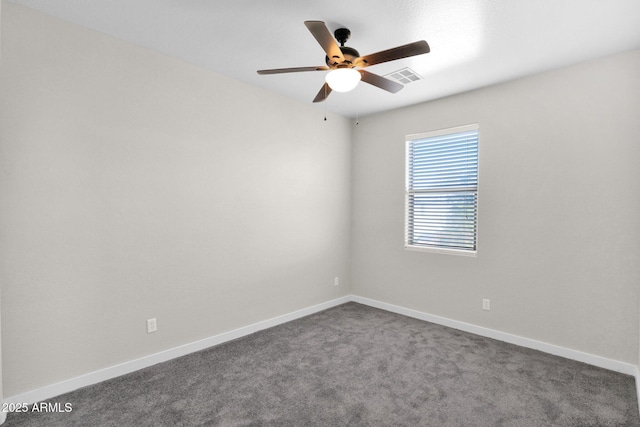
(431, 134)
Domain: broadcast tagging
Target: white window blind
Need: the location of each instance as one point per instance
(442, 190)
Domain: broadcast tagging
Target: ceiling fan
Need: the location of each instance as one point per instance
(347, 65)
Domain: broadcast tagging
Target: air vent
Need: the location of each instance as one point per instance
(404, 76)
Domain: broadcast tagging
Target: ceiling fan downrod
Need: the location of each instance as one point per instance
(342, 35)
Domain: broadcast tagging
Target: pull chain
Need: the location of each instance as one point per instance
(325, 102)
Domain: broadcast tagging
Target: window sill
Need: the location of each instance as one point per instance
(459, 252)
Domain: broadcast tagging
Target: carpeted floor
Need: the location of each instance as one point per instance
(354, 365)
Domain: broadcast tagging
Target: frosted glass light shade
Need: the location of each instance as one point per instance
(343, 79)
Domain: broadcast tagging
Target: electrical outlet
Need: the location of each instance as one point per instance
(336, 281)
(486, 304)
(152, 325)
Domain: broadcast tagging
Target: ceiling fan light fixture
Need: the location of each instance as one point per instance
(343, 79)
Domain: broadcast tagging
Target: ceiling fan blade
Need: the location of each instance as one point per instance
(320, 31)
(292, 70)
(381, 82)
(325, 90)
(405, 51)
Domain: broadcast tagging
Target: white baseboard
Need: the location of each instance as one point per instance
(95, 377)
(602, 362)
(53, 390)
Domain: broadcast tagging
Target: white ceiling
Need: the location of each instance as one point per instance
(474, 43)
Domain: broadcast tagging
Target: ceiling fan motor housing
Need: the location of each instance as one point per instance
(349, 53)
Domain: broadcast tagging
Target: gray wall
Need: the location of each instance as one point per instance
(558, 249)
(137, 186)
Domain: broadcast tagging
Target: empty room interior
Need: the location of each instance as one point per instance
(161, 198)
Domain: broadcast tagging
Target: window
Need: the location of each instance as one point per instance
(442, 191)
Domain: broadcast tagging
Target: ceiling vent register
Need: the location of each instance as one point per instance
(405, 76)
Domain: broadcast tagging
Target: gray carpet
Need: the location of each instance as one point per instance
(355, 366)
